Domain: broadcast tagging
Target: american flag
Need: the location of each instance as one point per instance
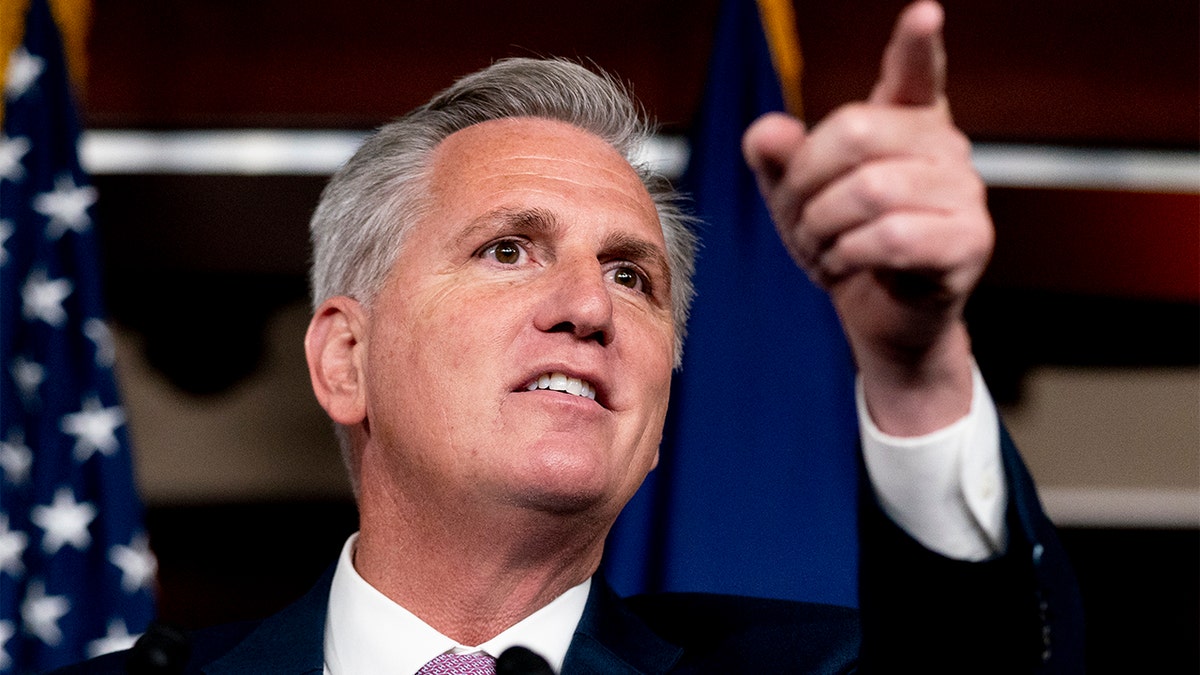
(76, 572)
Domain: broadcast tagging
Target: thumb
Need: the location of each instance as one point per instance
(769, 145)
(913, 71)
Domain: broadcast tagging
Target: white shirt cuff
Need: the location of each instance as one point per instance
(946, 489)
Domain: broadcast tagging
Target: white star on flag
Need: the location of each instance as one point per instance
(106, 351)
(7, 630)
(12, 151)
(71, 516)
(40, 613)
(28, 375)
(136, 562)
(6, 231)
(42, 298)
(115, 640)
(15, 458)
(66, 206)
(94, 428)
(12, 547)
(65, 521)
(23, 70)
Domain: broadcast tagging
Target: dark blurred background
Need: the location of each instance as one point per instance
(1087, 325)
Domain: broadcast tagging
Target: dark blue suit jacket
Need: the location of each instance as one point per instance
(921, 613)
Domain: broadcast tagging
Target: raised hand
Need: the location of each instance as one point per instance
(881, 205)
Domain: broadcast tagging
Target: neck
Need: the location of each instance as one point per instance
(472, 570)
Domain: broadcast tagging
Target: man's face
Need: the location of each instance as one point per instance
(539, 266)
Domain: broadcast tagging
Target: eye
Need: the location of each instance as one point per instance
(629, 277)
(506, 252)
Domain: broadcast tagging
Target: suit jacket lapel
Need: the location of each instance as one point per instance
(612, 640)
(288, 643)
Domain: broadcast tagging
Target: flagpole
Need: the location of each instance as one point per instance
(779, 25)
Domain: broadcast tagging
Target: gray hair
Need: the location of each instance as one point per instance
(372, 202)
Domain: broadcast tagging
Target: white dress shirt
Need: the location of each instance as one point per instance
(946, 489)
(364, 629)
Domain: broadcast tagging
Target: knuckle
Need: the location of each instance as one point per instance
(958, 145)
(804, 250)
(856, 126)
(982, 244)
(974, 189)
(877, 188)
(794, 187)
(977, 189)
(898, 240)
(966, 248)
(810, 213)
(830, 266)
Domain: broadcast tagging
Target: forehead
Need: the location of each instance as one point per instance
(520, 162)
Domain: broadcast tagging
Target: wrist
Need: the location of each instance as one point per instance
(912, 393)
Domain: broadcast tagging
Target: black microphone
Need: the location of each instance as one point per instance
(522, 661)
(162, 650)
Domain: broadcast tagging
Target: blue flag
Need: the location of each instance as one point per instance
(76, 573)
(755, 492)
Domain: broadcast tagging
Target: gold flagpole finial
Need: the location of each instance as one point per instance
(12, 31)
(73, 18)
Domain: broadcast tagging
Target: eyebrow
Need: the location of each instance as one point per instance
(532, 222)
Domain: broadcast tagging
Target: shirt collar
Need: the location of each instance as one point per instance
(365, 629)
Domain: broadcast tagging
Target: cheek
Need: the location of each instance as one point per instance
(439, 342)
(648, 346)
(418, 391)
(649, 359)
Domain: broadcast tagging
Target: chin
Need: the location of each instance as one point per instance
(560, 503)
(569, 485)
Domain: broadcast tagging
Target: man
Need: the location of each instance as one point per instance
(500, 299)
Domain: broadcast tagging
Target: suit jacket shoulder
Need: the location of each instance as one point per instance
(723, 631)
(288, 643)
(707, 633)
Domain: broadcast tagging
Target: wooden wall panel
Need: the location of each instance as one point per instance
(1122, 72)
(360, 62)
(1100, 243)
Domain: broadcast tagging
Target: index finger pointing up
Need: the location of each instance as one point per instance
(914, 63)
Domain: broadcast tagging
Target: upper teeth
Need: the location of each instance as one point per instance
(563, 383)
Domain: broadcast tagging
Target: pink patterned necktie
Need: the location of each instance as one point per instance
(476, 663)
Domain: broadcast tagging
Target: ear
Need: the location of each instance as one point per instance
(335, 346)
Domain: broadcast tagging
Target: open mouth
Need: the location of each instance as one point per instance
(563, 383)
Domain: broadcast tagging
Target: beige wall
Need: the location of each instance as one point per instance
(265, 439)
(1113, 446)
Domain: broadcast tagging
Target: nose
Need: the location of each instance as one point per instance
(577, 301)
